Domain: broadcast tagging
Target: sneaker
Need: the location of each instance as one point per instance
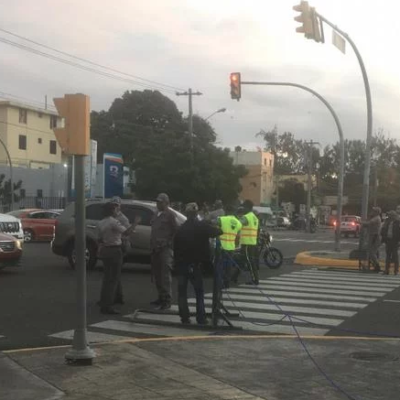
(164, 306)
(202, 321)
(186, 321)
(157, 302)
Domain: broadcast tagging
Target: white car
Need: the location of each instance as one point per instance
(11, 226)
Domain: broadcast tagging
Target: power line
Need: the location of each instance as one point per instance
(87, 61)
(24, 127)
(10, 96)
(80, 66)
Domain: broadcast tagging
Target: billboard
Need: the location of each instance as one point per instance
(113, 175)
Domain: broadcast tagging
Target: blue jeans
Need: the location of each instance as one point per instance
(190, 273)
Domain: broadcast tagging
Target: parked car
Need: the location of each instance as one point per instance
(37, 224)
(11, 226)
(10, 251)
(350, 225)
(64, 236)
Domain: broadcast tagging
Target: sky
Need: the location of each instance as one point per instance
(197, 44)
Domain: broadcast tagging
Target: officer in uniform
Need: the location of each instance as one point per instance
(110, 233)
(248, 241)
(230, 227)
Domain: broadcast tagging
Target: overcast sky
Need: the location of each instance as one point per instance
(193, 43)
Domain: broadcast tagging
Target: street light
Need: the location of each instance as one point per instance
(221, 110)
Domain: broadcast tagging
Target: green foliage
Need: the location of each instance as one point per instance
(5, 190)
(150, 133)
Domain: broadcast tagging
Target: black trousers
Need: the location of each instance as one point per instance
(190, 273)
(250, 261)
(392, 256)
(111, 288)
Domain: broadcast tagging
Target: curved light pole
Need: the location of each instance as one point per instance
(341, 142)
(11, 175)
(221, 110)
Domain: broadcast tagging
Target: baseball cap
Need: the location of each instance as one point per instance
(163, 197)
(116, 200)
(191, 207)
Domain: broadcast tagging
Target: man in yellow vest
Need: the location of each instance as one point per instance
(248, 240)
(230, 227)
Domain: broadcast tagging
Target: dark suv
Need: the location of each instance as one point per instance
(64, 236)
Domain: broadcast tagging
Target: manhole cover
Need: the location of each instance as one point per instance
(368, 356)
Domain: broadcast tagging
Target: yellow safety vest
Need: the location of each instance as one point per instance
(230, 227)
(249, 232)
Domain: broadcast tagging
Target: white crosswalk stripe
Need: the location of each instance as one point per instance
(315, 300)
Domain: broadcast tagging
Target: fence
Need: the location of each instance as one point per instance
(52, 203)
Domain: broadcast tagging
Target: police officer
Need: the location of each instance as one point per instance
(248, 241)
(230, 226)
(163, 229)
(110, 233)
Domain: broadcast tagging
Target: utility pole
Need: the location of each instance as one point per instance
(190, 94)
(309, 182)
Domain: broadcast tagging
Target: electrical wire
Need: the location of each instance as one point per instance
(24, 127)
(88, 61)
(82, 67)
(10, 96)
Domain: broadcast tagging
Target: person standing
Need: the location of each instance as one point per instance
(192, 252)
(374, 240)
(248, 241)
(110, 232)
(391, 238)
(217, 212)
(163, 229)
(230, 226)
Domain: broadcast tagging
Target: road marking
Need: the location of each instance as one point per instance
(283, 286)
(300, 294)
(299, 284)
(362, 275)
(92, 337)
(332, 283)
(265, 327)
(264, 299)
(276, 239)
(392, 301)
(133, 327)
(376, 281)
(287, 309)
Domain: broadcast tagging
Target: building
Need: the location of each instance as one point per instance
(257, 185)
(27, 132)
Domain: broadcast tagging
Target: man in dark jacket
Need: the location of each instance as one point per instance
(391, 237)
(191, 252)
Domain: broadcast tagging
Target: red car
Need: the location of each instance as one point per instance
(10, 251)
(37, 224)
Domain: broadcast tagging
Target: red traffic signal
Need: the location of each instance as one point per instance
(235, 86)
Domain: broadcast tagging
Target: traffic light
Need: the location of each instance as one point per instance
(309, 19)
(235, 86)
(74, 137)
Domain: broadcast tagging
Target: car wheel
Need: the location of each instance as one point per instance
(28, 235)
(90, 256)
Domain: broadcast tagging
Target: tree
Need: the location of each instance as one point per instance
(150, 133)
(5, 190)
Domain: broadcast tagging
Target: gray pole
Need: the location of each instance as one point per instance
(80, 351)
(191, 119)
(367, 167)
(11, 175)
(309, 184)
(341, 142)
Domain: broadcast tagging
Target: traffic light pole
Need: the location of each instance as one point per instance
(367, 167)
(80, 353)
(341, 142)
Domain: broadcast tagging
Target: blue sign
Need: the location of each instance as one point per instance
(113, 175)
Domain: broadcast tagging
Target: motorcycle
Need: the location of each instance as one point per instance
(272, 257)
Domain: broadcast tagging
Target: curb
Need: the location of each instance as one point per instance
(306, 258)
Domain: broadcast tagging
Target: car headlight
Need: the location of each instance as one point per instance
(18, 244)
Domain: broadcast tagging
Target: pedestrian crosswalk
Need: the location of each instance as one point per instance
(315, 300)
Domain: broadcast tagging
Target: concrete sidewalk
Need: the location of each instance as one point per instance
(219, 367)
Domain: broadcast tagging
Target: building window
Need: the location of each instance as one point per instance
(53, 121)
(22, 142)
(22, 193)
(53, 147)
(39, 140)
(39, 193)
(23, 116)
(270, 163)
(265, 161)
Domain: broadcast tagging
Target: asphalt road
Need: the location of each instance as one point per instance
(38, 299)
